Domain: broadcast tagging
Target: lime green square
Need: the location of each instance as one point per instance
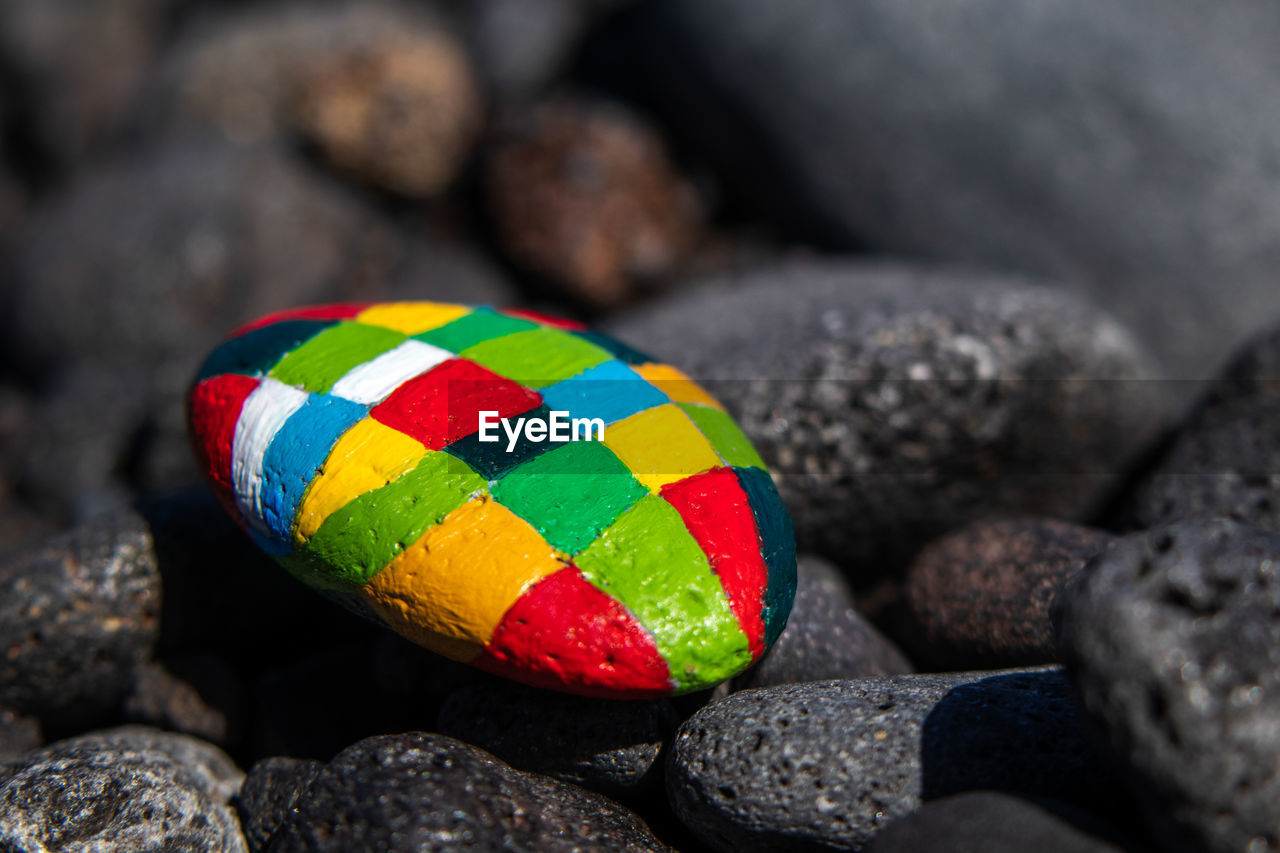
(649, 562)
(725, 436)
(359, 540)
(571, 493)
(480, 325)
(539, 357)
(328, 356)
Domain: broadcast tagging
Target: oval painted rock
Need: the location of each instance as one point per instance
(643, 552)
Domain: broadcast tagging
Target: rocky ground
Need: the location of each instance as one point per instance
(991, 288)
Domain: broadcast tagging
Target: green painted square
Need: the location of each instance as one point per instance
(649, 562)
(725, 436)
(539, 357)
(359, 540)
(327, 357)
(571, 493)
(480, 325)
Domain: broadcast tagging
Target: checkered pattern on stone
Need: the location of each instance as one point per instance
(344, 439)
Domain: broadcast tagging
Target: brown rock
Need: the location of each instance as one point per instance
(584, 195)
(979, 598)
(401, 114)
(240, 74)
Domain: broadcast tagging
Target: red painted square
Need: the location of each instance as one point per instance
(544, 319)
(564, 633)
(443, 405)
(333, 311)
(213, 409)
(718, 513)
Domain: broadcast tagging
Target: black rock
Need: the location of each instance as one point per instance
(998, 823)
(78, 443)
(419, 791)
(200, 696)
(825, 636)
(125, 789)
(826, 765)
(608, 746)
(1172, 641)
(268, 795)
(224, 596)
(18, 734)
(1223, 461)
(77, 613)
(895, 403)
(1120, 146)
(979, 598)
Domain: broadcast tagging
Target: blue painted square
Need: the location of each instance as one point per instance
(297, 451)
(610, 391)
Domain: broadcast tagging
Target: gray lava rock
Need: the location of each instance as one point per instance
(997, 823)
(1123, 146)
(80, 437)
(607, 746)
(78, 67)
(980, 598)
(268, 795)
(521, 45)
(126, 789)
(826, 765)
(208, 768)
(18, 734)
(150, 262)
(895, 403)
(416, 791)
(1224, 459)
(825, 636)
(77, 613)
(1172, 641)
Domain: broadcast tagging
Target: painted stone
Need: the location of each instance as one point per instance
(649, 558)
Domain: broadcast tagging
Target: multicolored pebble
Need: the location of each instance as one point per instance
(649, 558)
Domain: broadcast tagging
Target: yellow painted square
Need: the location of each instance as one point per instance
(660, 445)
(366, 457)
(675, 384)
(412, 318)
(449, 590)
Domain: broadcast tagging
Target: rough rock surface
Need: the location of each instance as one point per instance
(826, 765)
(980, 598)
(1224, 459)
(1172, 641)
(1122, 146)
(825, 636)
(419, 790)
(896, 403)
(607, 746)
(125, 789)
(268, 795)
(77, 613)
